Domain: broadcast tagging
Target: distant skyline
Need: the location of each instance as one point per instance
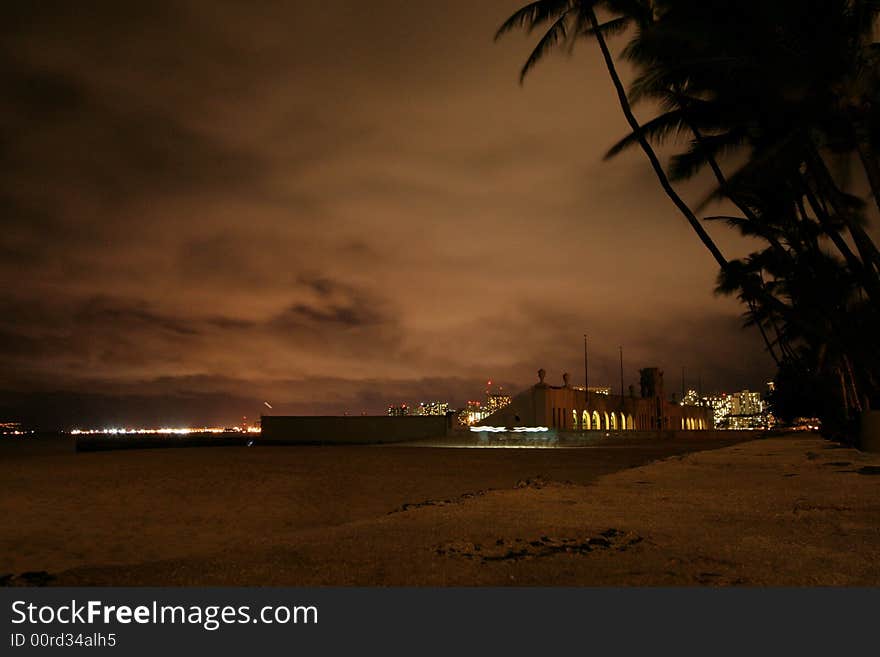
(329, 206)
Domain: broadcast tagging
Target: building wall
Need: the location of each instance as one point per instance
(362, 429)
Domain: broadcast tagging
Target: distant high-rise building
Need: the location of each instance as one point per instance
(721, 407)
(746, 410)
(691, 398)
(746, 403)
(397, 411)
(740, 410)
(768, 403)
(432, 408)
(496, 402)
(474, 412)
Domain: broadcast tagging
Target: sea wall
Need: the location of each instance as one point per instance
(354, 429)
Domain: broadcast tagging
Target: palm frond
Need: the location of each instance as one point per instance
(688, 164)
(612, 27)
(533, 15)
(656, 130)
(557, 33)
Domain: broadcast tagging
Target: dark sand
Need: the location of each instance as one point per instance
(774, 511)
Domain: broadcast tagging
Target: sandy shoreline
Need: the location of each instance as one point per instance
(787, 511)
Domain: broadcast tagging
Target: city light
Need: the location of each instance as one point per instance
(13, 429)
(596, 390)
(167, 431)
(485, 429)
(739, 410)
(397, 411)
(432, 408)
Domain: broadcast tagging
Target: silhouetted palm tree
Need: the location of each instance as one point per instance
(770, 93)
(570, 19)
(781, 97)
(787, 87)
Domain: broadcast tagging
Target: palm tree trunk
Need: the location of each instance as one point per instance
(646, 147)
(872, 170)
(861, 268)
(753, 309)
(722, 184)
(868, 158)
(716, 168)
(857, 403)
(809, 239)
(751, 295)
(843, 393)
(824, 221)
(864, 244)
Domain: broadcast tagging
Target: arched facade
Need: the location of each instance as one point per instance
(564, 408)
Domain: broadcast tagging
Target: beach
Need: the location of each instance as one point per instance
(794, 510)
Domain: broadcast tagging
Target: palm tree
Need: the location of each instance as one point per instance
(570, 19)
(769, 95)
(785, 85)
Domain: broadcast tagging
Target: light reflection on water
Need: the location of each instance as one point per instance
(518, 440)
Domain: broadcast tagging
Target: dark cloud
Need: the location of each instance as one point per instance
(334, 205)
(351, 316)
(116, 149)
(101, 312)
(336, 306)
(40, 96)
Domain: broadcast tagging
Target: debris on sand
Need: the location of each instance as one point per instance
(532, 482)
(29, 578)
(544, 546)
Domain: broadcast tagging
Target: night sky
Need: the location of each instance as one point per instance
(331, 206)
